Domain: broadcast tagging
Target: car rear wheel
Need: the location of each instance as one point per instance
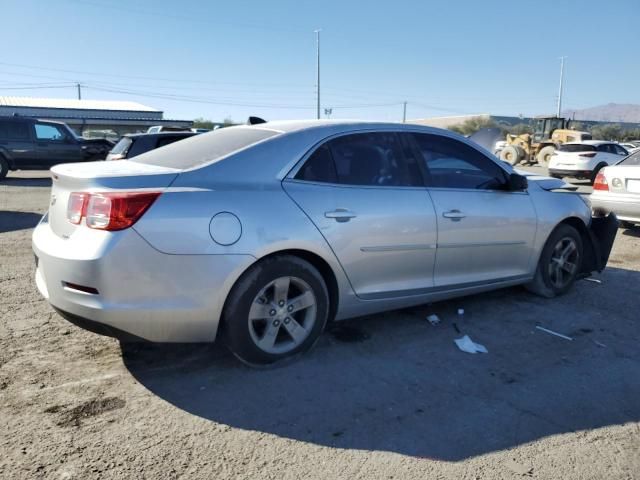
(4, 167)
(276, 311)
(559, 263)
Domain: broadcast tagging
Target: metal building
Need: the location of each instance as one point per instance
(90, 118)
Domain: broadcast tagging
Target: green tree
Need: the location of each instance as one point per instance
(472, 125)
(608, 131)
(203, 123)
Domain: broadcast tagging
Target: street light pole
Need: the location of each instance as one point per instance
(79, 91)
(317, 32)
(559, 111)
(404, 112)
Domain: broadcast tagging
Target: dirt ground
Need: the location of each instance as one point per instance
(384, 397)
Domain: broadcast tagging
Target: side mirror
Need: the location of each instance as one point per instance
(517, 183)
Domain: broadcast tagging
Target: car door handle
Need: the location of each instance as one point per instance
(340, 215)
(455, 215)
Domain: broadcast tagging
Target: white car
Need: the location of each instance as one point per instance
(617, 189)
(584, 159)
(630, 147)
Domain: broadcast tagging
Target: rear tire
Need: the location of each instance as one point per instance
(4, 167)
(559, 264)
(544, 155)
(276, 311)
(596, 171)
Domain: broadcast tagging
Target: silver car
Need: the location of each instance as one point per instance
(267, 232)
(617, 189)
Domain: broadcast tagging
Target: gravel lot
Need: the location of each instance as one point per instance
(389, 396)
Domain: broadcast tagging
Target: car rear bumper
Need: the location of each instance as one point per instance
(562, 172)
(625, 209)
(140, 293)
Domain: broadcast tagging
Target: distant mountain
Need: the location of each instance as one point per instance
(611, 112)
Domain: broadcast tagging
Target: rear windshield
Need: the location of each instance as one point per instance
(122, 146)
(205, 148)
(633, 159)
(576, 148)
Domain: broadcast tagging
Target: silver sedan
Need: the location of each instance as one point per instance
(267, 232)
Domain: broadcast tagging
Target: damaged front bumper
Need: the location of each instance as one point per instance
(602, 233)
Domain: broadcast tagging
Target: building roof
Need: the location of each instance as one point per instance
(63, 103)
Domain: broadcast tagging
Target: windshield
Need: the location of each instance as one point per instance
(576, 147)
(205, 148)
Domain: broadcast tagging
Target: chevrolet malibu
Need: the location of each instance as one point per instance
(265, 233)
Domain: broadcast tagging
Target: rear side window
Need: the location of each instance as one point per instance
(14, 130)
(571, 148)
(201, 149)
(141, 145)
(454, 164)
(319, 167)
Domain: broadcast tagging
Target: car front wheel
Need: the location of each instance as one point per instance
(276, 311)
(559, 263)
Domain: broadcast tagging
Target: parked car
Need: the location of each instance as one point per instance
(585, 159)
(630, 147)
(28, 144)
(273, 230)
(617, 189)
(134, 144)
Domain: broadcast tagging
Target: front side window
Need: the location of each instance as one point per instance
(48, 132)
(453, 164)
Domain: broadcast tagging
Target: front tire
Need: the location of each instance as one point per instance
(560, 263)
(276, 311)
(510, 154)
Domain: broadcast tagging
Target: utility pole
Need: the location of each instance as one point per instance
(317, 32)
(559, 112)
(404, 112)
(79, 91)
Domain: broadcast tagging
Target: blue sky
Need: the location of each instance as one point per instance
(237, 58)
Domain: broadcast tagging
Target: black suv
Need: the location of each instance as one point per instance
(29, 144)
(134, 144)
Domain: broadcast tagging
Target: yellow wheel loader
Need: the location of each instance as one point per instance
(548, 133)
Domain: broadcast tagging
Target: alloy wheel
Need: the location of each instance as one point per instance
(282, 315)
(563, 264)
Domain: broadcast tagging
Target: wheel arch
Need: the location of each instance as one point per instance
(323, 267)
(589, 252)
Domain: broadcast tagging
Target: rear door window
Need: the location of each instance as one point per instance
(319, 167)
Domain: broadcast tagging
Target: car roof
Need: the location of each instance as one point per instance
(290, 126)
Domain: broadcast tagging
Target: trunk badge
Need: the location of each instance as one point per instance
(53, 200)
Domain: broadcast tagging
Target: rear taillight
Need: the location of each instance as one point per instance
(600, 182)
(590, 155)
(76, 207)
(112, 210)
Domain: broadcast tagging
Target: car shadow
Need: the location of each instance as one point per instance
(11, 221)
(632, 232)
(26, 182)
(393, 382)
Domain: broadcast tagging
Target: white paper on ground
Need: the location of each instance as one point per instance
(467, 345)
(433, 319)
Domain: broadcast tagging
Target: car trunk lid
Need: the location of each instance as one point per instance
(100, 177)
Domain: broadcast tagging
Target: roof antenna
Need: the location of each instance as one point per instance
(255, 121)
